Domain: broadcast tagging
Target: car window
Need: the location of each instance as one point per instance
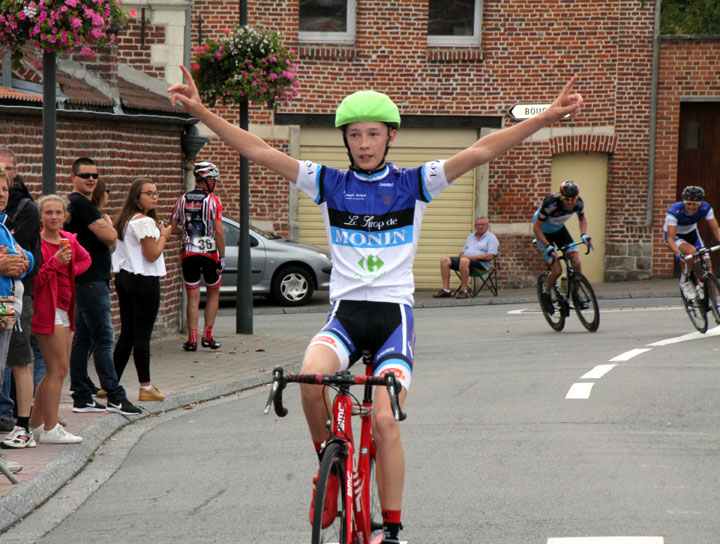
(232, 234)
(263, 234)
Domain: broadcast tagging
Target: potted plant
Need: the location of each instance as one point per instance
(249, 65)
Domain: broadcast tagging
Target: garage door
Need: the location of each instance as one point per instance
(449, 217)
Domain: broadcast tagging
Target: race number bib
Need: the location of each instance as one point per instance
(203, 244)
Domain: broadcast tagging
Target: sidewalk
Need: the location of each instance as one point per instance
(187, 378)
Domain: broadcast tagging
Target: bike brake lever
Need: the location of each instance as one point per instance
(275, 396)
(393, 387)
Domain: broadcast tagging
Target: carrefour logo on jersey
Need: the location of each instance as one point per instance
(362, 239)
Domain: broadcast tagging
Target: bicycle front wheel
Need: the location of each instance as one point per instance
(712, 287)
(695, 309)
(375, 510)
(555, 314)
(330, 513)
(585, 302)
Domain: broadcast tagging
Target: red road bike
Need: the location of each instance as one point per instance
(358, 503)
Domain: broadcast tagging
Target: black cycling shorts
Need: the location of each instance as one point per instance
(195, 267)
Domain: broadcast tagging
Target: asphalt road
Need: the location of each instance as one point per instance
(516, 434)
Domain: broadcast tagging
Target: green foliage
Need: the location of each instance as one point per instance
(690, 17)
(251, 64)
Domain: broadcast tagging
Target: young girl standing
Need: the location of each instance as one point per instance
(54, 316)
(139, 264)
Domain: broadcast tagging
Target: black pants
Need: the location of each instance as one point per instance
(139, 298)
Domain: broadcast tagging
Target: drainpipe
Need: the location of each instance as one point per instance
(649, 205)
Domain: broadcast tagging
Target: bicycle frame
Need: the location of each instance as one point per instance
(357, 468)
(707, 279)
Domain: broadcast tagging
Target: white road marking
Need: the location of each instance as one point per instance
(715, 331)
(629, 354)
(608, 540)
(580, 391)
(598, 372)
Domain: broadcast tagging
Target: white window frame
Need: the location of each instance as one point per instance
(305, 36)
(463, 41)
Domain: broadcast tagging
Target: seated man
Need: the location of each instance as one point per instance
(480, 248)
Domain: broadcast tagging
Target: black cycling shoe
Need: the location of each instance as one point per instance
(190, 346)
(212, 344)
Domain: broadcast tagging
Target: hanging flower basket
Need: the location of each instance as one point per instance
(60, 26)
(250, 64)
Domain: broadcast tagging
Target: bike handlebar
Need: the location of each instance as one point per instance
(280, 380)
(701, 252)
(568, 247)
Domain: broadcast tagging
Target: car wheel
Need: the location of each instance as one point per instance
(292, 286)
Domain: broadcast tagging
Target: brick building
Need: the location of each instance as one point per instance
(454, 83)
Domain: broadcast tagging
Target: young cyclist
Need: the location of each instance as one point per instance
(372, 214)
(550, 231)
(681, 234)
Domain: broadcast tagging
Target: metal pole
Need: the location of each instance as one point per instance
(49, 125)
(243, 299)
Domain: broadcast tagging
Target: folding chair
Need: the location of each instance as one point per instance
(482, 278)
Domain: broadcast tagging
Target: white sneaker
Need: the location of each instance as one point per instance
(58, 435)
(688, 290)
(19, 438)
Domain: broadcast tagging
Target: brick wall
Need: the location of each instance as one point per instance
(529, 49)
(122, 151)
(135, 51)
(688, 69)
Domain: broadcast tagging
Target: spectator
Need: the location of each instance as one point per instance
(23, 219)
(14, 264)
(138, 265)
(480, 248)
(198, 217)
(94, 332)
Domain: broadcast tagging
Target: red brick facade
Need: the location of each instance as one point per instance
(529, 49)
(122, 152)
(688, 70)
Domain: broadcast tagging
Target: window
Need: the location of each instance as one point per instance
(327, 21)
(454, 22)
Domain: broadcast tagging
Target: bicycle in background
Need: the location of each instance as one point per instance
(706, 288)
(356, 514)
(574, 292)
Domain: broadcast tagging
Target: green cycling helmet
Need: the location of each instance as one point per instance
(367, 106)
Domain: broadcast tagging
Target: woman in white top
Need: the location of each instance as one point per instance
(139, 264)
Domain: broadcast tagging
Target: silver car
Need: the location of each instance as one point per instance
(288, 271)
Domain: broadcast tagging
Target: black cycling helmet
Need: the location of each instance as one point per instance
(569, 189)
(693, 193)
(207, 172)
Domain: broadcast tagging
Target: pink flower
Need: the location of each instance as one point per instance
(133, 13)
(195, 67)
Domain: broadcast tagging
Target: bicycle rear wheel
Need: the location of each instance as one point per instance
(695, 309)
(335, 530)
(712, 288)
(585, 302)
(556, 318)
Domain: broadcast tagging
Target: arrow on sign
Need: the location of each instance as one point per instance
(520, 112)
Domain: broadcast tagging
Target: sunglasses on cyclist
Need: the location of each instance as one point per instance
(569, 198)
(88, 175)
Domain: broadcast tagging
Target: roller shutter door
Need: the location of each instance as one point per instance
(449, 217)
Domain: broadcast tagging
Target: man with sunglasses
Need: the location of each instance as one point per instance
(93, 326)
(681, 234)
(550, 231)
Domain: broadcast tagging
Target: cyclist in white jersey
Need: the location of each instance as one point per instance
(372, 216)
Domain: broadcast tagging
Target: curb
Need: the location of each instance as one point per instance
(26, 497)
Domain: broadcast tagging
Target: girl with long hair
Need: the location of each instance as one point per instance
(138, 263)
(53, 321)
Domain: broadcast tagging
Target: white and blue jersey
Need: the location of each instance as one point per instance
(373, 225)
(686, 225)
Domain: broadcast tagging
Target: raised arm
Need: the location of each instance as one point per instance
(495, 144)
(245, 143)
